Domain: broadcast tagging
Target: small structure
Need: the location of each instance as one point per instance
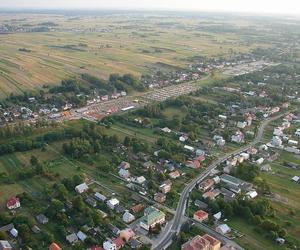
(54, 246)
(13, 203)
(128, 217)
(42, 219)
(123, 173)
(124, 165)
(91, 201)
(200, 204)
(160, 197)
(100, 197)
(251, 194)
(81, 188)
(223, 229)
(200, 216)
(5, 245)
(109, 245)
(14, 233)
(112, 203)
(174, 175)
(127, 234)
(72, 238)
(296, 178)
(81, 236)
(119, 243)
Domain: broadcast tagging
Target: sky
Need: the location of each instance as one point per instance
(250, 6)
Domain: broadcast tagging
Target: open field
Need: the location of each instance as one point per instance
(100, 45)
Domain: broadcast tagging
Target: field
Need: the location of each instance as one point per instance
(106, 44)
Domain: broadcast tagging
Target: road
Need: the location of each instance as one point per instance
(174, 226)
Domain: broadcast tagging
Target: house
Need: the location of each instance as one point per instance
(160, 197)
(128, 217)
(14, 232)
(251, 194)
(123, 173)
(152, 217)
(112, 203)
(165, 187)
(223, 229)
(228, 195)
(72, 238)
(211, 195)
(166, 130)
(259, 161)
(183, 138)
(238, 137)
(217, 216)
(148, 164)
(81, 188)
(81, 236)
(223, 117)
(293, 142)
(116, 231)
(54, 246)
(5, 245)
(241, 125)
(13, 203)
(119, 243)
(127, 234)
(276, 141)
(90, 201)
(200, 216)
(196, 243)
(193, 164)
(42, 219)
(135, 244)
(137, 208)
(100, 197)
(252, 151)
(296, 178)
(214, 243)
(278, 131)
(200, 204)
(266, 168)
(109, 245)
(175, 174)
(189, 148)
(140, 180)
(206, 185)
(124, 165)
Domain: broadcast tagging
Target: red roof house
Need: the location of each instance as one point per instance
(200, 216)
(118, 242)
(54, 246)
(13, 203)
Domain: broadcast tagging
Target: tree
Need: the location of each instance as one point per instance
(33, 161)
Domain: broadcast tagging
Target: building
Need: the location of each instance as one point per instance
(238, 137)
(127, 234)
(81, 236)
(112, 203)
(174, 175)
(123, 173)
(81, 188)
(211, 195)
(42, 219)
(118, 242)
(140, 180)
(214, 243)
(100, 197)
(200, 216)
(109, 245)
(124, 165)
(197, 243)
(13, 203)
(128, 217)
(223, 229)
(193, 164)
(152, 217)
(228, 179)
(54, 246)
(251, 194)
(160, 197)
(72, 238)
(5, 245)
(165, 187)
(91, 201)
(200, 204)
(206, 185)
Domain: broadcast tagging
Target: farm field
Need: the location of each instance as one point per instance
(105, 44)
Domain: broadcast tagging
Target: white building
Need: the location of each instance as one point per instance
(223, 229)
(81, 236)
(251, 194)
(81, 188)
(241, 125)
(276, 141)
(259, 161)
(124, 173)
(100, 197)
(112, 203)
(109, 245)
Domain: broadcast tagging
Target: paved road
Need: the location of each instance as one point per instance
(166, 237)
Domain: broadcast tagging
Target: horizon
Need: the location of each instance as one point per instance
(261, 7)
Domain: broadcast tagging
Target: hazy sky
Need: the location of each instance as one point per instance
(261, 6)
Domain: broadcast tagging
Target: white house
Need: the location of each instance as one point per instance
(259, 161)
(276, 141)
(190, 148)
(14, 232)
(166, 130)
(292, 142)
(278, 132)
(251, 194)
(124, 173)
(81, 188)
(140, 180)
(128, 217)
(223, 117)
(81, 236)
(241, 124)
(238, 137)
(109, 245)
(223, 229)
(112, 203)
(296, 178)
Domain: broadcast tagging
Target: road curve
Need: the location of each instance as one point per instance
(165, 239)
